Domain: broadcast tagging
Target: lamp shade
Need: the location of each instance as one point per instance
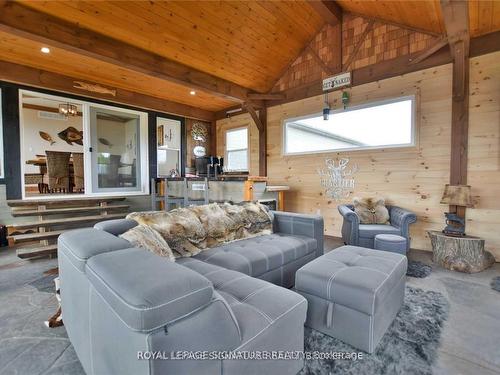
(457, 195)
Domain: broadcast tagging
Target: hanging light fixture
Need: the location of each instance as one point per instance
(68, 109)
(326, 108)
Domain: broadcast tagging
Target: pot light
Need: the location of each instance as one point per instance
(192, 92)
(45, 50)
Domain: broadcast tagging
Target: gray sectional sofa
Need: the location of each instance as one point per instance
(122, 305)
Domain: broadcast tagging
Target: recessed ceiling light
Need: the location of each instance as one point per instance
(192, 92)
(45, 50)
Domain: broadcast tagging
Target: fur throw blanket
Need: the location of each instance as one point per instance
(371, 210)
(188, 231)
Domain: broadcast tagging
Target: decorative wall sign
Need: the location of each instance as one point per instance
(71, 135)
(336, 179)
(334, 82)
(47, 137)
(93, 87)
(199, 132)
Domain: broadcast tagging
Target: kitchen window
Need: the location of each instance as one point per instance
(381, 124)
(237, 150)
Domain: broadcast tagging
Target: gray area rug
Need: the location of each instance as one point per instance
(418, 269)
(28, 347)
(408, 347)
(495, 283)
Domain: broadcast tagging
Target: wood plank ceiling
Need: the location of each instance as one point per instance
(484, 16)
(248, 43)
(230, 49)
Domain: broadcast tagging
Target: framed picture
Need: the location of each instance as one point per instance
(159, 135)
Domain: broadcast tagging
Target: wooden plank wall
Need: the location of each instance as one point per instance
(383, 43)
(238, 122)
(484, 150)
(413, 178)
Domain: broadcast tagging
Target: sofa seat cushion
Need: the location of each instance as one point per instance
(134, 283)
(256, 304)
(258, 255)
(371, 230)
(355, 277)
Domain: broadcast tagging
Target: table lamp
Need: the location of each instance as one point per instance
(456, 195)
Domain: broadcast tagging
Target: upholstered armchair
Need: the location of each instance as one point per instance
(357, 234)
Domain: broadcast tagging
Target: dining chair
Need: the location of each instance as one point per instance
(78, 172)
(58, 171)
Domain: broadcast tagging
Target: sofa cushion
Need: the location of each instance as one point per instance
(355, 277)
(371, 230)
(258, 255)
(147, 238)
(256, 304)
(116, 227)
(132, 282)
(82, 244)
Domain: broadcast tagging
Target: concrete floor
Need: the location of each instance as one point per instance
(470, 343)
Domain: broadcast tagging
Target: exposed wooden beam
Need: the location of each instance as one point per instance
(395, 67)
(24, 75)
(25, 22)
(440, 43)
(354, 54)
(320, 62)
(485, 44)
(263, 143)
(266, 96)
(392, 23)
(456, 21)
(251, 110)
(329, 10)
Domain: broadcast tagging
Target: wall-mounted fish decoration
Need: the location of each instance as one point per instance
(71, 135)
(46, 137)
(105, 142)
(93, 87)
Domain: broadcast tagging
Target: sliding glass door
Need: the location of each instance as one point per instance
(118, 151)
(72, 147)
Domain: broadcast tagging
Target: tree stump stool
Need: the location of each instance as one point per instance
(463, 254)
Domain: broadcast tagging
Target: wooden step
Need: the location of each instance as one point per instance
(66, 221)
(61, 202)
(36, 236)
(56, 211)
(31, 252)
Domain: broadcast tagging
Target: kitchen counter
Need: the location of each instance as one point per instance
(220, 178)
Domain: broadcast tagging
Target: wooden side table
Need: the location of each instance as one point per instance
(463, 254)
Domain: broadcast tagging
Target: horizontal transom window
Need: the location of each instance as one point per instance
(382, 124)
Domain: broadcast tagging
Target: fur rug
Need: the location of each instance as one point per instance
(408, 347)
(495, 283)
(418, 269)
(188, 231)
(371, 210)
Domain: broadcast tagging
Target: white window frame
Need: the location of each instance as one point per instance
(144, 146)
(226, 163)
(370, 104)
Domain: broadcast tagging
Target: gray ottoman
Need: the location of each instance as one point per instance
(390, 242)
(353, 293)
